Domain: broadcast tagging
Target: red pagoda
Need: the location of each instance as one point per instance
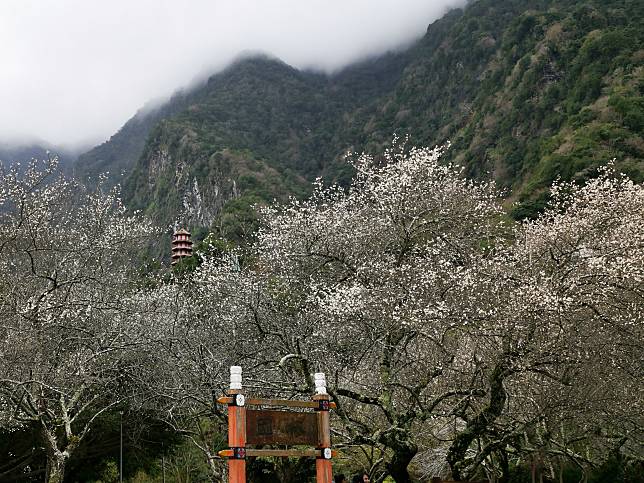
(181, 245)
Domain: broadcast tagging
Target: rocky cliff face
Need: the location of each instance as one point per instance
(202, 188)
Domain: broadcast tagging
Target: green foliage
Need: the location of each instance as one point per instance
(183, 463)
(186, 265)
(617, 469)
(525, 90)
(145, 439)
(630, 106)
(613, 470)
(109, 473)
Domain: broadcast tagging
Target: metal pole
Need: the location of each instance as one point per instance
(121, 451)
(163, 460)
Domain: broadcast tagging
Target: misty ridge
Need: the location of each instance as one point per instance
(91, 82)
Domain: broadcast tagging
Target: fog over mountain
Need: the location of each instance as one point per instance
(75, 70)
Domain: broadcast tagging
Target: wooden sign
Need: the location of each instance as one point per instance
(266, 427)
(281, 427)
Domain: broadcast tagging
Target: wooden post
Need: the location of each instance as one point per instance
(268, 424)
(237, 437)
(323, 465)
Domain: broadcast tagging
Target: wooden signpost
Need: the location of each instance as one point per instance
(266, 427)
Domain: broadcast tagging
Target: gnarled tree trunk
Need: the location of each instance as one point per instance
(399, 464)
(55, 467)
(479, 424)
(56, 458)
(404, 451)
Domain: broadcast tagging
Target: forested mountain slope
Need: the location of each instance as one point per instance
(257, 131)
(525, 90)
(121, 152)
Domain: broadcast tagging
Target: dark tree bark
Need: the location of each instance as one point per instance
(404, 451)
(479, 424)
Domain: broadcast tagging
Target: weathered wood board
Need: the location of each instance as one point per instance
(281, 427)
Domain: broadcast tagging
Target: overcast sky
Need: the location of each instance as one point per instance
(73, 71)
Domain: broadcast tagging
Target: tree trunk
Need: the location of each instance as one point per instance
(55, 467)
(505, 466)
(398, 470)
(479, 424)
(56, 459)
(403, 454)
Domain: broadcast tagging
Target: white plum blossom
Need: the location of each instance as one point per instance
(67, 269)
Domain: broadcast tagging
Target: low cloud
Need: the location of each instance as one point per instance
(73, 71)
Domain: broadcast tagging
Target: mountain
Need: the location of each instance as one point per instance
(526, 90)
(257, 131)
(121, 152)
(11, 153)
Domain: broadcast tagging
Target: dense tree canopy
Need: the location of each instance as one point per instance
(444, 328)
(67, 268)
(448, 332)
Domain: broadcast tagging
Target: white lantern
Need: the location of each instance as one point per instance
(235, 377)
(320, 383)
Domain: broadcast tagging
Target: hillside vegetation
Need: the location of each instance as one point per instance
(526, 91)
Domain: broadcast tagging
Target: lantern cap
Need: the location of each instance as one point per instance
(235, 377)
(320, 383)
